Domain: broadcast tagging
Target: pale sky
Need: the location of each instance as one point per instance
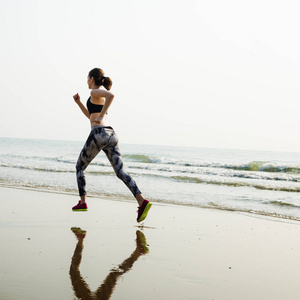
(221, 74)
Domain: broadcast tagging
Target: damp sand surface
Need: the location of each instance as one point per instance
(179, 252)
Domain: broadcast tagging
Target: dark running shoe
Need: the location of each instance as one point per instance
(80, 207)
(143, 210)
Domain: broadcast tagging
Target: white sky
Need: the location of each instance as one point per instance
(189, 73)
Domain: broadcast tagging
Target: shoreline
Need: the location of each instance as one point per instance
(251, 212)
(193, 253)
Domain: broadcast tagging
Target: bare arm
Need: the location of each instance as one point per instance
(108, 100)
(81, 106)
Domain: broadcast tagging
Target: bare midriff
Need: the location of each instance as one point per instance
(103, 122)
(93, 116)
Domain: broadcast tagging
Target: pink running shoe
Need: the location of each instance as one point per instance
(143, 210)
(80, 207)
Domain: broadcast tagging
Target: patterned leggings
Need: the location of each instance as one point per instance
(102, 138)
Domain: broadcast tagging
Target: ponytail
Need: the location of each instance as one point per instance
(107, 83)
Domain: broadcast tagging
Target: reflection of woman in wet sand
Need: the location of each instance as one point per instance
(105, 290)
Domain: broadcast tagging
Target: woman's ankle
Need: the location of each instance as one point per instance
(140, 199)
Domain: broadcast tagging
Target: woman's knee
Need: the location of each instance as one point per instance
(80, 167)
(119, 174)
(122, 175)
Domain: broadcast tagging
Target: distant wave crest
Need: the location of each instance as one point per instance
(253, 166)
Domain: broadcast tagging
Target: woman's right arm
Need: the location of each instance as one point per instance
(81, 106)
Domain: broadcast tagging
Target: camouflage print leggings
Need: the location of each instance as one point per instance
(103, 138)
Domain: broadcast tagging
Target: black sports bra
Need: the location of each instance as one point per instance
(93, 108)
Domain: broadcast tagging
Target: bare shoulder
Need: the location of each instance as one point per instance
(100, 93)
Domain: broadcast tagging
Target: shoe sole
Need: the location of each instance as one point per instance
(79, 209)
(78, 230)
(145, 212)
(142, 240)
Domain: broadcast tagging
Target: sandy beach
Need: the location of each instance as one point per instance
(181, 252)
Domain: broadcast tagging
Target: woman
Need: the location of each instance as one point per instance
(103, 137)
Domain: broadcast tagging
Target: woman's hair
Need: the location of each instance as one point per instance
(100, 79)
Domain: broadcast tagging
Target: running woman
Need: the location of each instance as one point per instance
(103, 137)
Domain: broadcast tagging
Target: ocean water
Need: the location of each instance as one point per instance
(257, 182)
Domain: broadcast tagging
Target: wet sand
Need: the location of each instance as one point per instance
(179, 253)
